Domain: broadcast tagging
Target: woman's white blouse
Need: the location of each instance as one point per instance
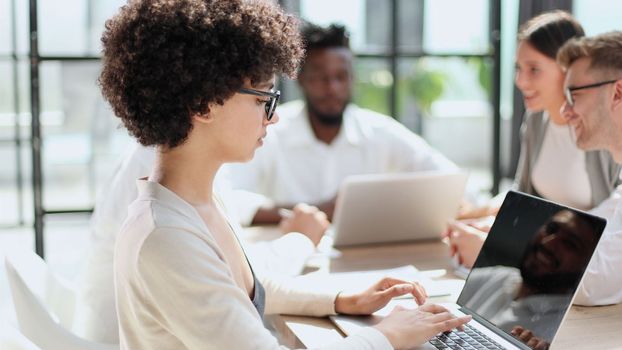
(174, 289)
(560, 173)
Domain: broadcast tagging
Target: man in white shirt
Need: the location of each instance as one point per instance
(593, 107)
(326, 138)
(96, 317)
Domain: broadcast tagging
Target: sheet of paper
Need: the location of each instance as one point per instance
(361, 280)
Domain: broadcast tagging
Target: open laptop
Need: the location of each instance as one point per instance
(526, 275)
(379, 208)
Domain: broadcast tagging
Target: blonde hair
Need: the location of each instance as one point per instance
(604, 51)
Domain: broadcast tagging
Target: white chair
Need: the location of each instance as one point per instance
(44, 304)
(12, 339)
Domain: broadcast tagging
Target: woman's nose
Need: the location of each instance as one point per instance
(274, 119)
(520, 81)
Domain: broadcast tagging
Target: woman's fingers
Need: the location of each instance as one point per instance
(452, 323)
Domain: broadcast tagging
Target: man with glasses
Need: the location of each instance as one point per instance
(593, 107)
(320, 141)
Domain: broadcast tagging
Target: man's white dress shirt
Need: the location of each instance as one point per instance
(602, 282)
(293, 166)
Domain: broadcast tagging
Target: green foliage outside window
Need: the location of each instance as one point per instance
(426, 85)
(484, 72)
(372, 86)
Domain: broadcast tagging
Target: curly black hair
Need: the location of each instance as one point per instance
(316, 37)
(166, 60)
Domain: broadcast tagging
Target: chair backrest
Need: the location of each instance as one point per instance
(56, 295)
(12, 339)
(44, 304)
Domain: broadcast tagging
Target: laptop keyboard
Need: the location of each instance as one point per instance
(470, 339)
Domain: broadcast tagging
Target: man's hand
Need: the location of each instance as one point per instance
(469, 211)
(378, 295)
(465, 241)
(526, 336)
(328, 207)
(307, 220)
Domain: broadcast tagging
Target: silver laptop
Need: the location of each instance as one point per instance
(526, 276)
(383, 208)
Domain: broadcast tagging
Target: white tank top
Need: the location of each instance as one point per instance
(559, 174)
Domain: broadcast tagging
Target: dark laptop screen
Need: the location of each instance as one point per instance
(530, 265)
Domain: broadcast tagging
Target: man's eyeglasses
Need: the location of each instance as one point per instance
(569, 90)
(270, 104)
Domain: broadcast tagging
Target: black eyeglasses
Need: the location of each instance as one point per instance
(270, 104)
(569, 90)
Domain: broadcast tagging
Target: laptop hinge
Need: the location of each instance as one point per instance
(495, 329)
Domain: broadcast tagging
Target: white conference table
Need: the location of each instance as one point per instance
(584, 327)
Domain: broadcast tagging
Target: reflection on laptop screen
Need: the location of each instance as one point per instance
(530, 265)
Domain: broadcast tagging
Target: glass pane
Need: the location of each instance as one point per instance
(6, 91)
(7, 8)
(289, 90)
(509, 29)
(16, 197)
(81, 140)
(22, 26)
(26, 164)
(62, 32)
(5, 27)
(50, 84)
(377, 27)
(76, 30)
(598, 19)
(454, 26)
(368, 21)
(442, 97)
(410, 25)
(9, 215)
(101, 12)
(23, 83)
(372, 83)
(10, 193)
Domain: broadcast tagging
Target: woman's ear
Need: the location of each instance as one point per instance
(204, 117)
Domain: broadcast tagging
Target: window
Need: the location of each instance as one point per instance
(600, 18)
(439, 69)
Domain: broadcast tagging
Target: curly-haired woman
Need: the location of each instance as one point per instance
(195, 78)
